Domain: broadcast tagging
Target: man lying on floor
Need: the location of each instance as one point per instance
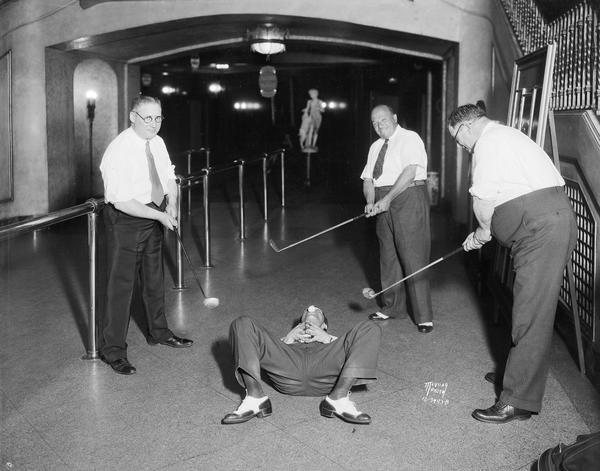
(308, 361)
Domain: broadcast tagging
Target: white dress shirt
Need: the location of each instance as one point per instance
(125, 171)
(404, 148)
(508, 164)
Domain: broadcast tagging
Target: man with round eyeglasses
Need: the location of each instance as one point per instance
(141, 196)
(518, 198)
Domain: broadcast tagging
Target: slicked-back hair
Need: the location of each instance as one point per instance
(143, 99)
(465, 113)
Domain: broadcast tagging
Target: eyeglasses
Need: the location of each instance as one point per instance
(459, 128)
(148, 119)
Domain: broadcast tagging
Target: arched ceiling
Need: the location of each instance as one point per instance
(223, 38)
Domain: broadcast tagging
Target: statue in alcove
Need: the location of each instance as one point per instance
(311, 121)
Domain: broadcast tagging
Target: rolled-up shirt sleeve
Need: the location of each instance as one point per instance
(116, 173)
(415, 152)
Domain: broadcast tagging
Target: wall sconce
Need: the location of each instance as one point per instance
(91, 96)
(267, 39)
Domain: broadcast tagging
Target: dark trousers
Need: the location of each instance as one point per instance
(541, 231)
(134, 260)
(304, 369)
(404, 247)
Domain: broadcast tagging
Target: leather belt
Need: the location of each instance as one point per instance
(414, 183)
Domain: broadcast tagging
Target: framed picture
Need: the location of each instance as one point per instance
(6, 158)
(530, 93)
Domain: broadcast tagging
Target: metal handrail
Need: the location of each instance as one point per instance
(215, 170)
(42, 222)
(188, 153)
(90, 207)
(203, 176)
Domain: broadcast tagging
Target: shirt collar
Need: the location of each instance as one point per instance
(140, 140)
(485, 129)
(393, 136)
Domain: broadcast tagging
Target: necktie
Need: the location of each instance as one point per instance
(157, 193)
(378, 168)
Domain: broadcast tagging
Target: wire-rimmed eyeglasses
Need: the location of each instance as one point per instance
(149, 119)
(458, 129)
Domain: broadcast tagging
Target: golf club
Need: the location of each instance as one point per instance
(276, 249)
(210, 303)
(370, 293)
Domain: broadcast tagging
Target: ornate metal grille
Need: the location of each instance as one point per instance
(584, 261)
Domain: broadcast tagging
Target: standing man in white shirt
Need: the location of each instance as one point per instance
(141, 196)
(518, 198)
(394, 187)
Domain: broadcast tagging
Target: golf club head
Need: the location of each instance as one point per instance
(273, 246)
(368, 293)
(211, 303)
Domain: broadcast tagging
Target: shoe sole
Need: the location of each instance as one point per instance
(170, 345)
(260, 414)
(495, 383)
(124, 373)
(517, 417)
(331, 414)
(104, 360)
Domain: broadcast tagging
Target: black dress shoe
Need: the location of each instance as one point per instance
(491, 377)
(121, 366)
(500, 413)
(175, 342)
(354, 417)
(424, 329)
(264, 410)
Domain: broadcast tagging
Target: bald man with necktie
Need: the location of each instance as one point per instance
(141, 196)
(394, 186)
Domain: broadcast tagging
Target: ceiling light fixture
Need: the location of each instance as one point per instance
(267, 39)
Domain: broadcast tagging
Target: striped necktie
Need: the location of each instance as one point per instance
(157, 190)
(378, 168)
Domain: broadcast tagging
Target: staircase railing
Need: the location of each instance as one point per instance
(577, 35)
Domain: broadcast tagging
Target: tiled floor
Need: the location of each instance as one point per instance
(59, 412)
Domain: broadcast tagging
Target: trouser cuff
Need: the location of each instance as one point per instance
(532, 406)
